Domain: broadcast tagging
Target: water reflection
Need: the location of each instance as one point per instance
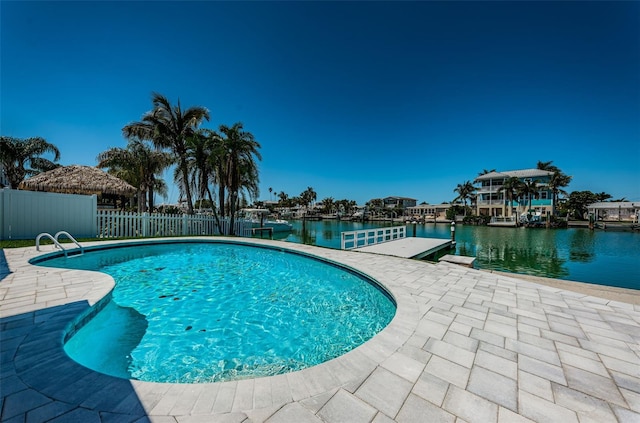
(508, 258)
(527, 251)
(582, 246)
(608, 258)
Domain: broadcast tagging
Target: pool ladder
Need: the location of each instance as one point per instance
(56, 243)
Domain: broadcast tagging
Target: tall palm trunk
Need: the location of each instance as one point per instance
(185, 183)
(221, 200)
(232, 217)
(151, 198)
(215, 213)
(142, 197)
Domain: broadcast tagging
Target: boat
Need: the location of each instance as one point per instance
(260, 218)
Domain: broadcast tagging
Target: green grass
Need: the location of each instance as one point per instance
(19, 243)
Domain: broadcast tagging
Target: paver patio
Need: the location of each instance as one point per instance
(464, 346)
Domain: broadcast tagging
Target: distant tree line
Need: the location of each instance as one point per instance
(217, 170)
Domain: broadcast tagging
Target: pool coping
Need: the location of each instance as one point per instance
(38, 302)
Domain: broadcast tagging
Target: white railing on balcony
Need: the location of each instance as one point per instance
(489, 202)
(116, 224)
(364, 237)
(494, 188)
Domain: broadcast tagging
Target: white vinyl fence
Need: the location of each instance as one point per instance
(25, 214)
(116, 224)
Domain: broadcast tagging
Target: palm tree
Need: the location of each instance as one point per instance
(218, 159)
(139, 165)
(376, 205)
(22, 157)
(547, 166)
(485, 171)
(238, 151)
(350, 205)
(529, 188)
(558, 181)
(202, 161)
(169, 127)
(200, 169)
(270, 191)
(308, 197)
(510, 187)
(465, 191)
(249, 180)
(159, 187)
(328, 205)
(120, 162)
(283, 197)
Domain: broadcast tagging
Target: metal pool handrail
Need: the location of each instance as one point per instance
(57, 244)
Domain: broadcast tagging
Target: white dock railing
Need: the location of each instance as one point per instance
(504, 221)
(115, 224)
(364, 237)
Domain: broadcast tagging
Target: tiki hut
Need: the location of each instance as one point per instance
(78, 179)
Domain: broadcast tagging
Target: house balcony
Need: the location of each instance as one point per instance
(522, 203)
(487, 190)
(489, 202)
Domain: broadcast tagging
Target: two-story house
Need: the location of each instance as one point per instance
(401, 202)
(492, 198)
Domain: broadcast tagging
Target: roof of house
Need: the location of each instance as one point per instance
(524, 173)
(399, 198)
(432, 206)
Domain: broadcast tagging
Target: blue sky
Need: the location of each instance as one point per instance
(357, 100)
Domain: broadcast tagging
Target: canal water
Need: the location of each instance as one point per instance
(609, 258)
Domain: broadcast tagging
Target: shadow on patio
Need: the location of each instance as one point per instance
(40, 382)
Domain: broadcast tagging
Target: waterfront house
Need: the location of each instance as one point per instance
(428, 211)
(491, 198)
(615, 211)
(400, 202)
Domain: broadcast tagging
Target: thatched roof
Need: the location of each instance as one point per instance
(78, 179)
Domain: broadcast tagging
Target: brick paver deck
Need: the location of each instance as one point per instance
(464, 346)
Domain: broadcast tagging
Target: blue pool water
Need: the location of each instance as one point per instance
(207, 312)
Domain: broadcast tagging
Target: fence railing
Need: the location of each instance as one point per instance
(364, 237)
(116, 224)
(503, 219)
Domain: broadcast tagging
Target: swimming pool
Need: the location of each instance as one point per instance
(216, 311)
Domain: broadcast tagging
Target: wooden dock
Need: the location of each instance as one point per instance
(415, 248)
(461, 260)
